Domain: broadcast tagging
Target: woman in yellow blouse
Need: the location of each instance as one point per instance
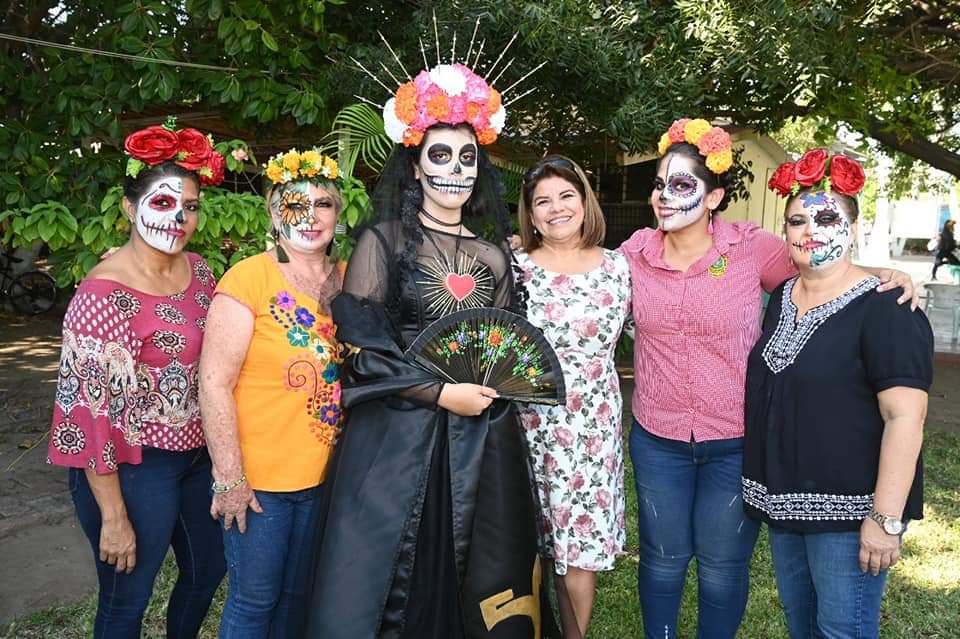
(270, 395)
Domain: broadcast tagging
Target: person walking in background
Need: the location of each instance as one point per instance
(126, 418)
(270, 395)
(836, 396)
(946, 247)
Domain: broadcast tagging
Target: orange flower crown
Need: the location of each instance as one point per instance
(713, 142)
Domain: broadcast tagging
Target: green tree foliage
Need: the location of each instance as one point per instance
(615, 69)
(887, 69)
(254, 65)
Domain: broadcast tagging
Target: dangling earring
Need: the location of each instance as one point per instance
(710, 224)
(282, 256)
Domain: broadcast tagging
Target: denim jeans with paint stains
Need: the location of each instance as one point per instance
(824, 594)
(689, 505)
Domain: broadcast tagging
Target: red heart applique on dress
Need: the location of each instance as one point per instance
(460, 286)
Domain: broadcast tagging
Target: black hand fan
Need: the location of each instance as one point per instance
(495, 348)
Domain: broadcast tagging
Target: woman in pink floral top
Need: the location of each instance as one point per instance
(126, 419)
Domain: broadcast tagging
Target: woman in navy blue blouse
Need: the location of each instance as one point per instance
(836, 396)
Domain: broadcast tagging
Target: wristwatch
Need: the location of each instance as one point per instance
(890, 525)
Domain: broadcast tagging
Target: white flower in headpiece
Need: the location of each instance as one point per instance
(392, 125)
(449, 78)
(498, 119)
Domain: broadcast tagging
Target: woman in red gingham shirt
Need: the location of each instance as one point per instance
(697, 290)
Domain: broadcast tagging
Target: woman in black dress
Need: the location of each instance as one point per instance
(431, 527)
(836, 397)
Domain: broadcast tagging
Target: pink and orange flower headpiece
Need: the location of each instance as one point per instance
(187, 148)
(449, 93)
(821, 171)
(713, 142)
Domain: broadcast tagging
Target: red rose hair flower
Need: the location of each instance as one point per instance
(152, 145)
(194, 149)
(846, 175)
(811, 168)
(782, 179)
(817, 170)
(187, 148)
(212, 173)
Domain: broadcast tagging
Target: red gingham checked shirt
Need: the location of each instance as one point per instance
(694, 330)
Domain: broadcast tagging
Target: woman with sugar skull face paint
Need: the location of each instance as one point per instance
(697, 284)
(126, 418)
(431, 527)
(836, 478)
(270, 395)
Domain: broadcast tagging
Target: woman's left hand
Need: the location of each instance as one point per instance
(878, 550)
(892, 278)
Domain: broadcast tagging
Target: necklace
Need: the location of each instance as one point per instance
(321, 289)
(441, 222)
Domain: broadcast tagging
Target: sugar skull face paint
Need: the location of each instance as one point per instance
(678, 197)
(447, 169)
(819, 233)
(166, 215)
(305, 215)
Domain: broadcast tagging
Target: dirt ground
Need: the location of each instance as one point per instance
(46, 557)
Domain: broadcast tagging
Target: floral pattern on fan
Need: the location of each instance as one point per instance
(496, 343)
(493, 347)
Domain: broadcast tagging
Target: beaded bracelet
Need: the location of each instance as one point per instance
(225, 488)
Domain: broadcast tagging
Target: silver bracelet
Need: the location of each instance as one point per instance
(219, 489)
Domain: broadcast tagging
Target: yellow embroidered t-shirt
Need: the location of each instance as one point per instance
(288, 391)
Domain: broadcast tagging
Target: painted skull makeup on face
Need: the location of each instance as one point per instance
(447, 169)
(818, 230)
(160, 216)
(304, 214)
(678, 195)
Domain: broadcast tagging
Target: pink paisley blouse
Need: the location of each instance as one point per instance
(128, 372)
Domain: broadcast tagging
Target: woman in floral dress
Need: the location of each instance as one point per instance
(579, 294)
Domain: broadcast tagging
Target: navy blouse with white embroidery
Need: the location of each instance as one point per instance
(813, 423)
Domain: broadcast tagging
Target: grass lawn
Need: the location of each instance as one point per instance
(922, 598)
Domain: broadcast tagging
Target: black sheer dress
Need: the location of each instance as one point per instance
(430, 531)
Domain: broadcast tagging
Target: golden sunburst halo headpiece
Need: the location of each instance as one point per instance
(449, 92)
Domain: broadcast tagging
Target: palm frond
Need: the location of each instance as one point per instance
(358, 135)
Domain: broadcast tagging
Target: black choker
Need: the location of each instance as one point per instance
(441, 222)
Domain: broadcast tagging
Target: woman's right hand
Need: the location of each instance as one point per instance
(466, 400)
(118, 544)
(232, 505)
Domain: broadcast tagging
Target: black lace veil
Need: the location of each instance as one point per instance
(396, 202)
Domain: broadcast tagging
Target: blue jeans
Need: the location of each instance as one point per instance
(267, 583)
(167, 497)
(824, 594)
(689, 505)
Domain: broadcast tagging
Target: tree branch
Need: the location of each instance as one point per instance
(932, 153)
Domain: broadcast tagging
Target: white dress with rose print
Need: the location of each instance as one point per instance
(577, 449)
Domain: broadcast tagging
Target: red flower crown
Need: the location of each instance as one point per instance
(187, 148)
(816, 168)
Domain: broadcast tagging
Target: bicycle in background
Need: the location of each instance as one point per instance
(30, 293)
